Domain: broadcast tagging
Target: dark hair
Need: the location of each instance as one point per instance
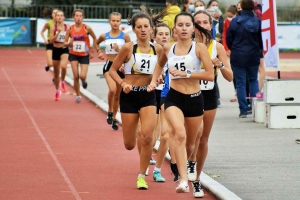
(232, 9)
(137, 16)
(199, 28)
(210, 2)
(247, 4)
(184, 2)
(161, 25)
(78, 10)
(203, 30)
(156, 18)
(47, 12)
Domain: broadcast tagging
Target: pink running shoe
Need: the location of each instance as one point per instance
(63, 86)
(57, 95)
(233, 99)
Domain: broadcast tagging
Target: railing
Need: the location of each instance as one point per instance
(91, 12)
(102, 12)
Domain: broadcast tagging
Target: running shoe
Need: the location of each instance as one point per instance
(297, 141)
(114, 124)
(157, 177)
(47, 68)
(175, 172)
(182, 187)
(197, 189)
(57, 95)
(191, 170)
(243, 116)
(109, 118)
(78, 99)
(84, 84)
(141, 184)
(152, 161)
(63, 86)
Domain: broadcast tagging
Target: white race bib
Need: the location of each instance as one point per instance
(110, 43)
(207, 85)
(79, 46)
(145, 63)
(61, 36)
(181, 63)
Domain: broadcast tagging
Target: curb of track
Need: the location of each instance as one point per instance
(220, 191)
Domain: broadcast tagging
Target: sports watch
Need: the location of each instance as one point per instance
(222, 66)
(188, 73)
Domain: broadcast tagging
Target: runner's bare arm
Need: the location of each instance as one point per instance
(222, 56)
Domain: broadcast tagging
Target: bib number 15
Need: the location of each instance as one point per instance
(180, 66)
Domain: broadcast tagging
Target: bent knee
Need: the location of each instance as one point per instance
(129, 146)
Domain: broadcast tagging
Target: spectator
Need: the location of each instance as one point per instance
(245, 42)
(199, 5)
(170, 13)
(188, 6)
(231, 12)
(215, 5)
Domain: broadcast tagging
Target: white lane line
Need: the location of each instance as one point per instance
(59, 166)
(29, 51)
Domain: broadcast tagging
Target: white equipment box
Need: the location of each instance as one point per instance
(278, 91)
(282, 116)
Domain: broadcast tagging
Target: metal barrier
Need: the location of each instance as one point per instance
(102, 12)
(91, 12)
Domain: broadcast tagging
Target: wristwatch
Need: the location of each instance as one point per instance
(222, 66)
(188, 73)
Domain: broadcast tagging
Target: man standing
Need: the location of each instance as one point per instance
(245, 42)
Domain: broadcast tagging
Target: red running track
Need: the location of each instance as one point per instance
(62, 150)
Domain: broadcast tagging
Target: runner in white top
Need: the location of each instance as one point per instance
(184, 102)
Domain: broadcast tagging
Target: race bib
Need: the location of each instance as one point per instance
(145, 63)
(181, 63)
(207, 85)
(61, 36)
(79, 46)
(110, 43)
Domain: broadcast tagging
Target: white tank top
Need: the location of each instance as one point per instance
(190, 61)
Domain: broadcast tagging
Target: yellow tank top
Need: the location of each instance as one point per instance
(212, 50)
(51, 23)
(149, 61)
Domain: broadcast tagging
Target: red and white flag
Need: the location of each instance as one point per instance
(269, 33)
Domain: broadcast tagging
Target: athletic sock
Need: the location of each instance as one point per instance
(156, 169)
(142, 176)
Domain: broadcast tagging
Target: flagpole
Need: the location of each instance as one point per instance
(276, 39)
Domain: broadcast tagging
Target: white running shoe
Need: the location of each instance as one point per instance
(191, 170)
(78, 99)
(197, 189)
(182, 187)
